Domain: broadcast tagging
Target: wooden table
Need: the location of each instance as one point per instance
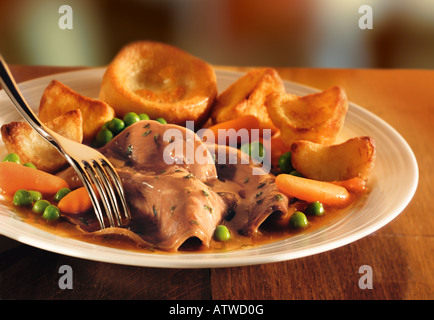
(401, 254)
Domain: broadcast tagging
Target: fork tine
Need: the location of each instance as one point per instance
(95, 178)
(104, 177)
(85, 178)
(118, 185)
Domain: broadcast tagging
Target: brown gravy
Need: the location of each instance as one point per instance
(267, 233)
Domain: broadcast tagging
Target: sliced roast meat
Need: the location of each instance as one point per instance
(164, 169)
(172, 207)
(257, 195)
(149, 146)
(176, 192)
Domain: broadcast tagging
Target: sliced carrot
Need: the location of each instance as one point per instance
(75, 202)
(312, 190)
(355, 185)
(14, 176)
(248, 122)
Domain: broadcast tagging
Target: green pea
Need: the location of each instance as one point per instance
(103, 136)
(296, 173)
(116, 125)
(12, 157)
(130, 118)
(285, 163)
(61, 193)
(30, 165)
(51, 213)
(22, 198)
(40, 206)
(222, 233)
(315, 209)
(161, 120)
(106, 125)
(298, 220)
(144, 116)
(36, 195)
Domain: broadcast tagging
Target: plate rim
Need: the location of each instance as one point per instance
(218, 259)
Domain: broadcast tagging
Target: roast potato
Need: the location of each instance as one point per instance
(352, 158)
(316, 117)
(247, 96)
(59, 98)
(21, 139)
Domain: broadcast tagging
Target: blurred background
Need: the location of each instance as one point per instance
(290, 33)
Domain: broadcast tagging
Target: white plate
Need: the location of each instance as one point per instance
(394, 179)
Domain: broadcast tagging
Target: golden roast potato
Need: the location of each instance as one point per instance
(352, 158)
(316, 117)
(161, 81)
(247, 96)
(59, 98)
(20, 138)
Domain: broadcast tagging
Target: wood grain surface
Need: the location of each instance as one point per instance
(401, 254)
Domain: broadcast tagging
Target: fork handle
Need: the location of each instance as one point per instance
(10, 87)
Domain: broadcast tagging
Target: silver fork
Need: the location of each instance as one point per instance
(90, 165)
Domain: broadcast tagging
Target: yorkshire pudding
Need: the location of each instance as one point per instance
(161, 81)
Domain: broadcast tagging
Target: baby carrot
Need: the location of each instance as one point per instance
(312, 190)
(248, 122)
(356, 185)
(14, 176)
(75, 202)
